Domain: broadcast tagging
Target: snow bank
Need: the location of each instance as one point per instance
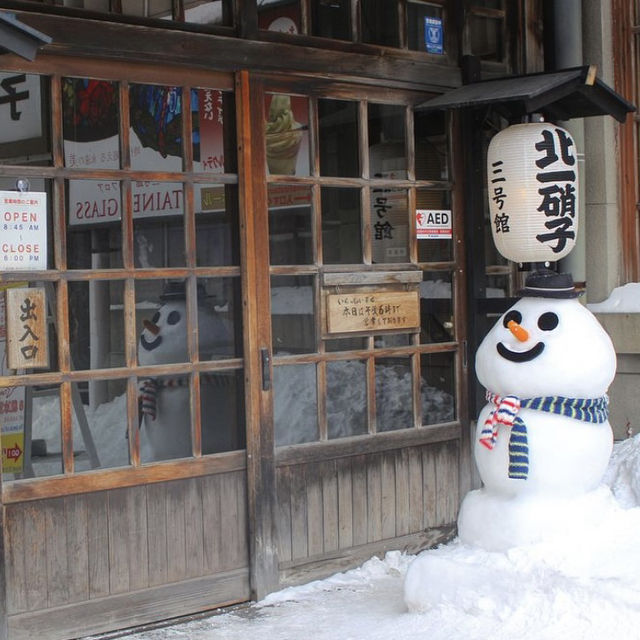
(624, 299)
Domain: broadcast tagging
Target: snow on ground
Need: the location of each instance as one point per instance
(585, 586)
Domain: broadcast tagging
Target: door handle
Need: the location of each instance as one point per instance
(265, 358)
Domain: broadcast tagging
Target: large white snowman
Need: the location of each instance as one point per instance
(543, 438)
(165, 424)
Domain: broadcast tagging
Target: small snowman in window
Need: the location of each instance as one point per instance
(164, 400)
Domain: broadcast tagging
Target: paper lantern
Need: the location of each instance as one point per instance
(532, 177)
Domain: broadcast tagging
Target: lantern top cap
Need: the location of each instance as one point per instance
(546, 283)
(558, 95)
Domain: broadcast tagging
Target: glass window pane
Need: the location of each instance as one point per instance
(295, 404)
(290, 224)
(487, 38)
(217, 12)
(394, 394)
(431, 149)
(293, 324)
(219, 318)
(158, 225)
(283, 16)
(379, 20)
(389, 225)
(147, 8)
(341, 229)
(434, 249)
(222, 411)
(213, 135)
(387, 340)
(25, 119)
(165, 418)
(331, 19)
(436, 308)
(105, 429)
(217, 222)
(96, 324)
(417, 26)
(34, 411)
(287, 134)
(346, 398)
(338, 138)
(155, 114)
(387, 156)
(90, 123)
(345, 344)
(437, 387)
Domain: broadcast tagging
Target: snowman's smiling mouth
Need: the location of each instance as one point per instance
(520, 356)
(150, 345)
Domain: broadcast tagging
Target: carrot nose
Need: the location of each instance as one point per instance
(518, 331)
(151, 326)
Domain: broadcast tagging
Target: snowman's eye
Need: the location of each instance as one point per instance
(514, 315)
(156, 317)
(548, 321)
(173, 317)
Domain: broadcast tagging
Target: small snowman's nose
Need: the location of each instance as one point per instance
(151, 326)
(518, 331)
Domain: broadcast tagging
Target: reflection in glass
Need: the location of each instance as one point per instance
(213, 131)
(338, 138)
(93, 203)
(165, 427)
(331, 19)
(90, 123)
(416, 27)
(345, 344)
(431, 150)
(96, 328)
(287, 134)
(436, 308)
(437, 388)
(216, 12)
(434, 249)
(25, 132)
(222, 411)
(219, 318)
(487, 38)
(387, 156)
(379, 20)
(341, 233)
(292, 314)
(346, 398)
(295, 405)
(393, 394)
(388, 340)
(217, 225)
(155, 114)
(389, 225)
(290, 236)
(281, 17)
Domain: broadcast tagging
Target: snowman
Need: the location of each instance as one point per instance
(543, 439)
(164, 401)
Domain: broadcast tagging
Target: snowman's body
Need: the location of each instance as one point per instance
(540, 348)
(164, 341)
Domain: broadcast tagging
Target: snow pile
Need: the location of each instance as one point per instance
(623, 474)
(625, 299)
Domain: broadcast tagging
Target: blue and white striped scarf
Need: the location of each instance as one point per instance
(594, 410)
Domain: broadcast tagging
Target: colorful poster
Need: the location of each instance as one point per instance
(433, 35)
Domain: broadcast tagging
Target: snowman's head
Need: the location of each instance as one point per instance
(164, 337)
(543, 347)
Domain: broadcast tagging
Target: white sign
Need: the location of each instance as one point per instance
(20, 107)
(433, 224)
(23, 222)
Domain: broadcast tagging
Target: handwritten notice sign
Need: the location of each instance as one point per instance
(373, 311)
(23, 226)
(433, 224)
(27, 344)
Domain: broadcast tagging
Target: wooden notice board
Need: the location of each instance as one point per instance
(372, 311)
(27, 339)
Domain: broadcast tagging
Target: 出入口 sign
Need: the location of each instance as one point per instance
(26, 318)
(373, 311)
(23, 226)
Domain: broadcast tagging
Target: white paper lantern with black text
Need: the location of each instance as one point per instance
(532, 178)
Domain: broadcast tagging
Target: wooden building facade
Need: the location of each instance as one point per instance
(253, 177)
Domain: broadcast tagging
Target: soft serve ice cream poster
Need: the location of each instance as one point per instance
(287, 134)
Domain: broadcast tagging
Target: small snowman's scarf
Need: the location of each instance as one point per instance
(595, 410)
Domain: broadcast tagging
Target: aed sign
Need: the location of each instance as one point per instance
(433, 224)
(23, 231)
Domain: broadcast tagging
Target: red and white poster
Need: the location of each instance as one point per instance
(433, 224)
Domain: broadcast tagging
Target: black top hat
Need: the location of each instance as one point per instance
(549, 284)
